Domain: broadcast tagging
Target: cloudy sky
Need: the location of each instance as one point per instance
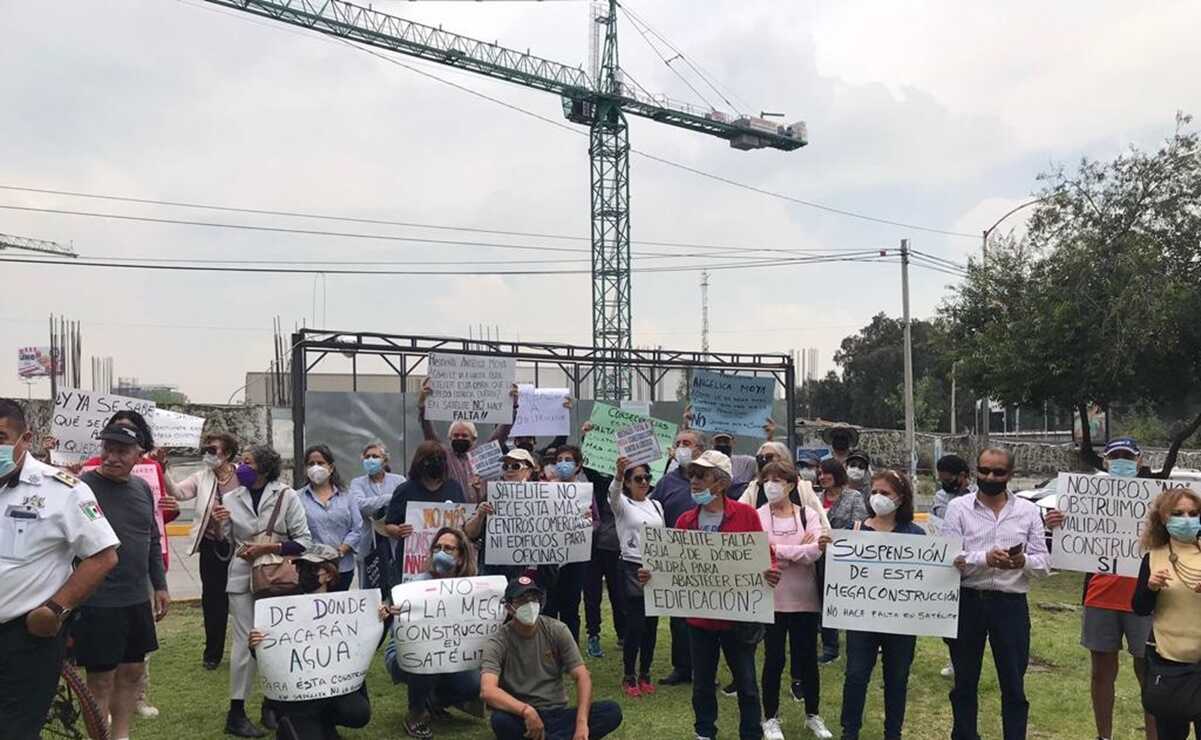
(937, 114)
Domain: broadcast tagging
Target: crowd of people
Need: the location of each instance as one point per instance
(82, 560)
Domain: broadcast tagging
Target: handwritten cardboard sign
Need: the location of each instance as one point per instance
(80, 416)
(470, 388)
(173, 429)
(443, 623)
(539, 523)
(600, 446)
(541, 413)
(427, 519)
(735, 404)
(709, 575)
(316, 645)
(902, 584)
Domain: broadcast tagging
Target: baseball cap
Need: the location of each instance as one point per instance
(319, 553)
(121, 434)
(720, 435)
(523, 455)
(714, 459)
(859, 455)
(520, 586)
(1122, 444)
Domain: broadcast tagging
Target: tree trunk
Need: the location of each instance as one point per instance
(1169, 462)
(1088, 455)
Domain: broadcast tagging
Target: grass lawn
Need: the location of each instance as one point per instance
(193, 701)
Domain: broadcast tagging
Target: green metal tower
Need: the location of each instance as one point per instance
(601, 103)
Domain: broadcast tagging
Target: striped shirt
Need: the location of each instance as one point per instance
(982, 531)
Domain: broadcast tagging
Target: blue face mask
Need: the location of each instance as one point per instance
(702, 498)
(1184, 528)
(7, 463)
(565, 469)
(443, 562)
(372, 465)
(1123, 468)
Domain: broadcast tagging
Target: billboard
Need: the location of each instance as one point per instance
(35, 362)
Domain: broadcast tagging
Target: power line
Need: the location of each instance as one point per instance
(667, 62)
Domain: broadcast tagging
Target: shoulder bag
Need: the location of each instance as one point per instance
(273, 575)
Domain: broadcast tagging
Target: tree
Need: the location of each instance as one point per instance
(1098, 303)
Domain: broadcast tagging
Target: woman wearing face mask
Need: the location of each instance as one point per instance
(795, 532)
(859, 473)
(246, 512)
(1169, 589)
(334, 517)
(372, 491)
(429, 694)
(317, 719)
(629, 498)
(754, 496)
(517, 467)
(844, 508)
(891, 510)
(428, 481)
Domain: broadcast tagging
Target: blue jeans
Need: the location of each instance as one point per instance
(707, 645)
(1004, 621)
(441, 689)
(603, 718)
(897, 655)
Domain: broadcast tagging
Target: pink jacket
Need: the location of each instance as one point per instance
(797, 591)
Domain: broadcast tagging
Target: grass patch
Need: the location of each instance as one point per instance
(193, 701)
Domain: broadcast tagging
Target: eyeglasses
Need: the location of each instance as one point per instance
(511, 467)
(994, 472)
(452, 549)
(211, 450)
(640, 478)
(696, 471)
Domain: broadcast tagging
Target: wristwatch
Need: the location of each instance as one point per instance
(59, 610)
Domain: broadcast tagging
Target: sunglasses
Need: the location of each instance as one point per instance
(994, 472)
(695, 471)
(210, 450)
(640, 478)
(512, 467)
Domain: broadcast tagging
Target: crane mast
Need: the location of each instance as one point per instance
(598, 100)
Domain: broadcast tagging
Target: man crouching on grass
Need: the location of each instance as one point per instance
(521, 676)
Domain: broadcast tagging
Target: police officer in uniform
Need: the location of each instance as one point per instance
(48, 519)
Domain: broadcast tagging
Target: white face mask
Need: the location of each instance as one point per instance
(683, 455)
(856, 474)
(318, 474)
(883, 505)
(212, 462)
(527, 613)
(775, 490)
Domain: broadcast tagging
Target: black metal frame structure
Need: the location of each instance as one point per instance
(404, 354)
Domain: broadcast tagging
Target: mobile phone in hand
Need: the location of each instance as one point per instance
(1017, 549)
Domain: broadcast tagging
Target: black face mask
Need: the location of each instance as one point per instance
(433, 467)
(991, 487)
(950, 486)
(726, 450)
(460, 446)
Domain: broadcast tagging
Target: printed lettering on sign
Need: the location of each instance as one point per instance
(443, 623)
(1103, 520)
(316, 645)
(539, 523)
(902, 584)
(708, 575)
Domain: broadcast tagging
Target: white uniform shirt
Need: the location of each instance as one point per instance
(46, 521)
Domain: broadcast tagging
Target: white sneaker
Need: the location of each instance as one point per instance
(948, 671)
(702, 737)
(818, 727)
(771, 729)
(146, 711)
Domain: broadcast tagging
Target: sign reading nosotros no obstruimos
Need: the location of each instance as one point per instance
(708, 575)
(539, 523)
(901, 584)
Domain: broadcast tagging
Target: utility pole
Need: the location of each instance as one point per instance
(910, 441)
(704, 311)
(954, 365)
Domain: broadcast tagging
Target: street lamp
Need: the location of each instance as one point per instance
(985, 234)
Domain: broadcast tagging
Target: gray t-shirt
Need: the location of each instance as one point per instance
(129, 508)
(531, 668)
(710, 521)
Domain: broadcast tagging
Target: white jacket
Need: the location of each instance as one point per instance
(244, 526)
(809, 498)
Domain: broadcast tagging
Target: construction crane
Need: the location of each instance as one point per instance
(8, 241)
(599, 101)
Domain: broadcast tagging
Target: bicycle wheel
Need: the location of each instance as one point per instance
(74, 705)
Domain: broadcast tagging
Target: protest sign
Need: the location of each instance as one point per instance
(542, 523)
(485, 460)
(902, 584)
(1103, 520)
(427, 518)
(443, 623)
(708, 575)
(600, 445)
(173, 429)
(470, 388)
(735, 404)
(316, 645)
(80, 416)
(638, 443)
(541, 413)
